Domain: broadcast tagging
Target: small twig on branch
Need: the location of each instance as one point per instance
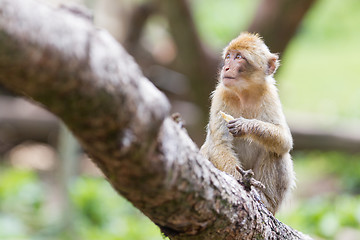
(248, 179)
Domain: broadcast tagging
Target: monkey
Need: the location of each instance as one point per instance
(258, 138)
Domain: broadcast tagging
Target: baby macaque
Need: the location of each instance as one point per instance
(247, 127)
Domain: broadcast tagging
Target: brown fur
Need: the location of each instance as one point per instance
(258, 138)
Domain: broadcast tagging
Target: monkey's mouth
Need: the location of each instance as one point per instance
(228, 77)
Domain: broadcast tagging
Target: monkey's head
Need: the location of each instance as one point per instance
(247, 61)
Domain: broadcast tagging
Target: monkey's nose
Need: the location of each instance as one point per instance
(227, 69)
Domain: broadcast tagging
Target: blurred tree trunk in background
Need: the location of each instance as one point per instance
(278, 20)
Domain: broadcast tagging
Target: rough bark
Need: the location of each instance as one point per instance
(83, 76)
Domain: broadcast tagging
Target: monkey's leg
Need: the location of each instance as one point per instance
(227, 162)
(277, 174)
(222, 156)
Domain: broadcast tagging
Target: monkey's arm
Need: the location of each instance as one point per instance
(276, 138)
(218, 147)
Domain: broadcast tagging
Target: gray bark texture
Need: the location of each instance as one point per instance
(57, 58)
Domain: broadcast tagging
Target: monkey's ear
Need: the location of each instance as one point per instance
(273, 64)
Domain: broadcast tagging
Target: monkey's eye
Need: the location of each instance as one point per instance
(227, 56)
(238, 56)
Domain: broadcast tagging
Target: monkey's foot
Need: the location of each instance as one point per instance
(248, 179)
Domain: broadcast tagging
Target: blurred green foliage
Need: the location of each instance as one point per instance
(324, 216)
(103, 211)
(346, 167)
(21, 194)
(99, 212)
(220, 21)
(325, 212)
(321, 66)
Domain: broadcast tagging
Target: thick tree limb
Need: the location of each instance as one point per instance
(83, 76)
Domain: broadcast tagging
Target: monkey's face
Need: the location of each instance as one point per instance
(237, 70)
(247, 62)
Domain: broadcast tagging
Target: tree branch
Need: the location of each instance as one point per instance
(194, 59)
(23, 121)
(83, 76)
(138, 19)
(314, 132)
(278, 20)
(137, 22)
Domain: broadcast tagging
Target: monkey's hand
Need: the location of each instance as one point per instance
(237, 127)
(248, 179)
